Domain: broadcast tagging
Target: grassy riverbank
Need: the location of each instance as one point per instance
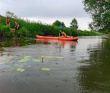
(29, 29)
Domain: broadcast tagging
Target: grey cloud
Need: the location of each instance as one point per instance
(45, 8)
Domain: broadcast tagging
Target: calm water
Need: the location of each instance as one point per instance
(67, 66)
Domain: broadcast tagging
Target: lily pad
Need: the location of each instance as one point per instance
(20, 69)
(36, 60)
(45, 69)
(6, 59)
(8, 70)
(3, 57)
(1, 63)
(23, 60)
(59, 57)
(13, 56)
(48, 56)
(26, 57)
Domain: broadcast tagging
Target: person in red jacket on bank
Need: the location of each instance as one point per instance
(8, 21)
(0, 19)
(16, 26)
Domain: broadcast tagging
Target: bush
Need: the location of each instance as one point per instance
(5, 31)
(23, 32)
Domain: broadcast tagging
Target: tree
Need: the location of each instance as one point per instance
(100, 12)
(11, 14)
(58, 23)
(91, 27)
(74, 24)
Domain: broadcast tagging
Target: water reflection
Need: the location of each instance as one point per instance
(62, 43)
(95, 77)
(7, 44)
(75, 67)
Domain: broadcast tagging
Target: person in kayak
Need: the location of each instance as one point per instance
(63, 34)
(8, 21)
(16, 26)
(0, 19)
(45, 32)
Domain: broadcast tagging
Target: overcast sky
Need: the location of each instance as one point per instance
(48, 11)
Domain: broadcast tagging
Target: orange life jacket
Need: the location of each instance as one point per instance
(7, 20)
(0, 19)
(65, 35)
(16, 24)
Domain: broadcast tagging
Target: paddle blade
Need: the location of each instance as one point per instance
(60, 26)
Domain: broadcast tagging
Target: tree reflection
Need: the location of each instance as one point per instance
(95, 77)
(7, 44)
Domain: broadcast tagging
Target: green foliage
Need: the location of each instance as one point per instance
(74, 24)
(28, 29)
(100, 11)
(23, 32)
(5, 31)
(58, 23)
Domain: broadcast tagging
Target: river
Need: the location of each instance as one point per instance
(52, 66)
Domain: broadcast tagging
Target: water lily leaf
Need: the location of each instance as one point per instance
(36, 60)
(23, 60)
(48, 56)
(45, 69)
(8, 70)
(3, 57)
(6, 59)
(1, 63)
(13, 56)
(20, 69)
(59, 57)
(26, 57)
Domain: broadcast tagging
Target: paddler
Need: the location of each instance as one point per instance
(45, 32)
(63, 34)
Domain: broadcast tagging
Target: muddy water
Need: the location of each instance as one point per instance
(51, 66)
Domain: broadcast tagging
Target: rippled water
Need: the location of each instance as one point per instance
(51, 66)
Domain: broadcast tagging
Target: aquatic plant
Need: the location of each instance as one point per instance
(20, 69)
(13, 56)
(36, 60)
(48, 56)
(59, 57)
(45, 69)
(1, 63)
(26, 57)
(8, 70)
(23, 60)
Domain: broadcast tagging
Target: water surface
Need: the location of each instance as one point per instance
(51, 66)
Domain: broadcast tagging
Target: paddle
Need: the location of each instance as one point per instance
(60, 29)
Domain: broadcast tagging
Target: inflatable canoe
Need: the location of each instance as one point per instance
(57, 38)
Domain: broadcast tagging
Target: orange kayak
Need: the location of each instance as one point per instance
(58, 38)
